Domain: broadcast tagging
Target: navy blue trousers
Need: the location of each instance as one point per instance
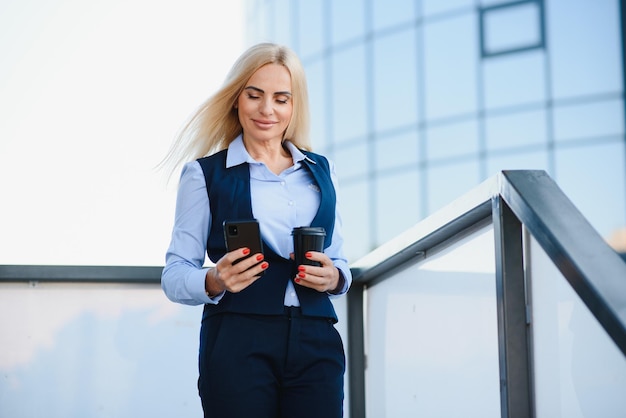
(259, 366)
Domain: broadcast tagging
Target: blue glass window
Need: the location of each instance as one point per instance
(316, 79)
(354, 201)
(348, 20)
(352, 162)
(349, 94)
(386, 14)
(395, 80)
(592, 177)
(432, 7)
(310, 27)
(395, 151)
(589, 120)
(450, 77)
(511, 28)
(532, 160)
(447, 182)
(281, 20)
(517, 129)
(452, 139)
(397, 203)
(515, 79)
(585, 47)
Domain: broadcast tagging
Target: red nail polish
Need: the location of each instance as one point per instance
(264, 266)
(308, 255)
(246, 251)
(301, 268)
(259, 257)
(297, 280)
(301, 275)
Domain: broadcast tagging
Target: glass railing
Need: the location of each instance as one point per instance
(505, 303)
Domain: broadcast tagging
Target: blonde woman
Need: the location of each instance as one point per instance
(268, 345)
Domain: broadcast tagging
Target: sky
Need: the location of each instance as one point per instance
(91, 97)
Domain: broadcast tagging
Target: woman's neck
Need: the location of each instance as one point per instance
(271, 153)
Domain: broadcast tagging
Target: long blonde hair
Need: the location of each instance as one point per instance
(215, 124)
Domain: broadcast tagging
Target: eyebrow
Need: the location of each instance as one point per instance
(276, 93)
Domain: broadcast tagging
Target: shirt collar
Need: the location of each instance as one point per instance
(237, 153)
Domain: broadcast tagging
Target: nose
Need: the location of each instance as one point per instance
(265, 107)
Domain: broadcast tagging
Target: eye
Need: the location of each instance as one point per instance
(282, 101)
(252, 97)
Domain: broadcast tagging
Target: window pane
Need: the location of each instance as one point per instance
(430, 7)
(585, 47)
(310, 27)
(397, 204)
(316, 78)
(450, 77)
(447, 182)
(348, 20)
(536, 160)
(281, 16)
(388, 14)
(354, 206)
(516, 129)
(452, 139)
(589, 120)
(396, 151)
(352, 161)
(395, 78)
(514, 79)
(512, 27)
(593, 178)
(349, 94)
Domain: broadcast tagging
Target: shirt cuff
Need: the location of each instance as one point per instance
(345, 278)
(196, 286)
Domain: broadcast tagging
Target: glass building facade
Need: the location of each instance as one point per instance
(419, 101)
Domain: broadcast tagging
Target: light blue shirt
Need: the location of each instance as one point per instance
(279, 202)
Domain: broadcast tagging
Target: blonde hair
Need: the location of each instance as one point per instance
(216, 123)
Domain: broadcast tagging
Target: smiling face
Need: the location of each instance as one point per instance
(265, 105)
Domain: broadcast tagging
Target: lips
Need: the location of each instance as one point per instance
(264, 124)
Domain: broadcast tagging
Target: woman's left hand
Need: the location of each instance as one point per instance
(323, 279)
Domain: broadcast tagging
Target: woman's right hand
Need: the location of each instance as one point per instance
(234, 277)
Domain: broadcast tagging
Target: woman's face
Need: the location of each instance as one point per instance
(265, 105)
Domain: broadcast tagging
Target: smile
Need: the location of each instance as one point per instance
(264, 123)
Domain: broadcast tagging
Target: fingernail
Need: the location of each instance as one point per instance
(246, 251)
(301, 268)
(259, 257)
(301, 275)
(297, 280)
(308, 255)
(264, 266)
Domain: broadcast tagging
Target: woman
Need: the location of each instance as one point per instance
(268, 345)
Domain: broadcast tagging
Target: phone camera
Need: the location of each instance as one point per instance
(232, 230)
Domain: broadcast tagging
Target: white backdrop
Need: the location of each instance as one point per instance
(91, 96)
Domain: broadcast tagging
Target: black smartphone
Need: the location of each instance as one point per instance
(243, 233)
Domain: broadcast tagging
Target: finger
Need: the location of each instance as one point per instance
(248, 262)
(318, 257)
(244, 279)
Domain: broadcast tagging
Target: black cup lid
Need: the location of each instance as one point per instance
(309, 230)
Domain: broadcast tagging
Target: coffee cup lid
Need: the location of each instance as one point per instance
(309, 230)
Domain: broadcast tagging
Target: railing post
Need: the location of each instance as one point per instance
(356, 350)
(513, 341)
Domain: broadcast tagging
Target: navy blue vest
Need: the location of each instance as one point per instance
(229, 197)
